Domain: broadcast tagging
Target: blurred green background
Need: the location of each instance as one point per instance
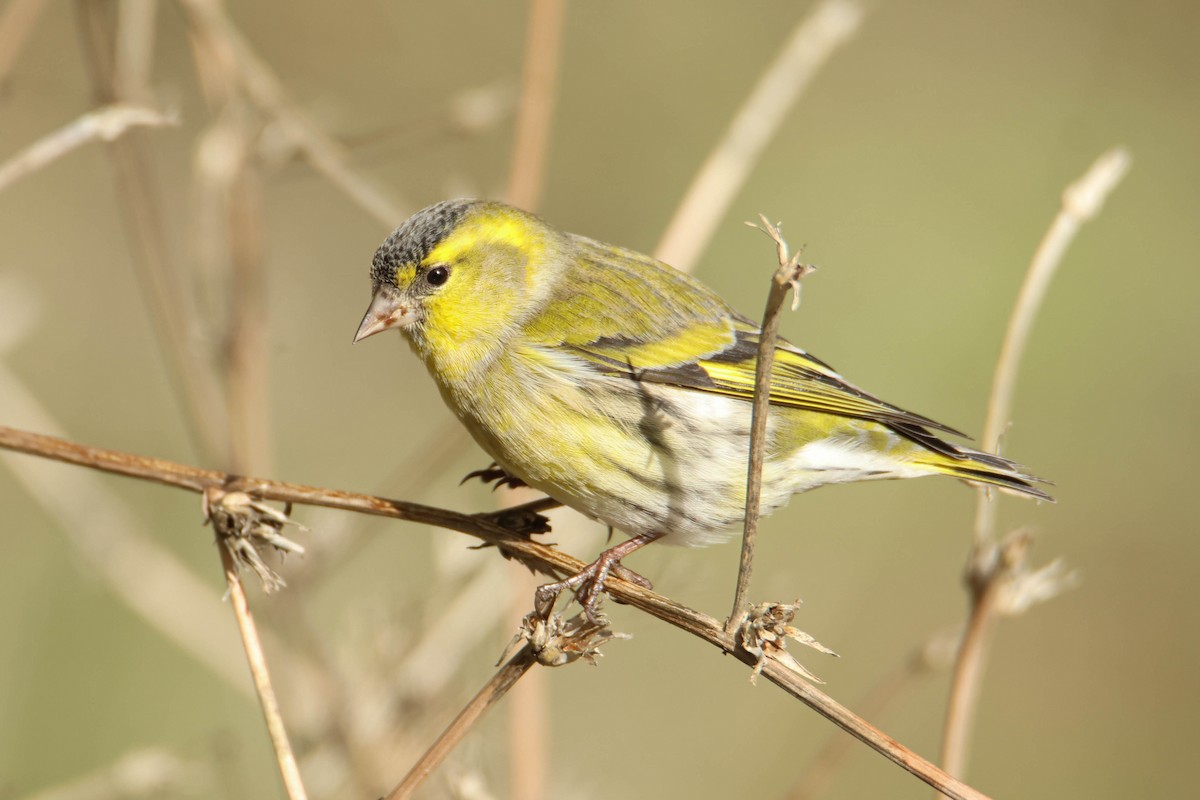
(921, 168)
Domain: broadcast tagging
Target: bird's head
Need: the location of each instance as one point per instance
(458, 278)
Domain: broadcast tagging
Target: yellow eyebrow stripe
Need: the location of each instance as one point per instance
(492, 230)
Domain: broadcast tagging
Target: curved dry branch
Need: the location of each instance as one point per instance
(532, 554)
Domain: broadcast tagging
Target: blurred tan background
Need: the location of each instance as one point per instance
(921, 168)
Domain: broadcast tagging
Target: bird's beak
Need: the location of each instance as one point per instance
(388, 309)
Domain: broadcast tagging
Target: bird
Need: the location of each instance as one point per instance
(622, 387)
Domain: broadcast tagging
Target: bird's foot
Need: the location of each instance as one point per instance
(588, 583)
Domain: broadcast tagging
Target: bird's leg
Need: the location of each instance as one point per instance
(588, 583)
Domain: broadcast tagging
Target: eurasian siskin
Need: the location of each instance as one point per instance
(622, 387)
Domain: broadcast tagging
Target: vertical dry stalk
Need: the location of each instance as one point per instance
(813, 41)
(284, 756)
(191, 370)
(487, 697)
(538, 90)
(988, 569)
(209, 19)
(786, 279)
(135, 49)
(529, 717)
(246, 348)
(1081, 201)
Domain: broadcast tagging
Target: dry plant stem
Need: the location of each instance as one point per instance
(325, 155)
(134, 56)
(192, 373)
(284, 756)
(16, 23)
(104, 124)
(487, 697)
(528, 717)
(532, 553)
(1081, 201)
(967, 680)
(247, 346)
(538, 82)
(783, 281)
(812, 42)
(933, 655)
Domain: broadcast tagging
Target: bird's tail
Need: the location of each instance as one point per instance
(983, 468)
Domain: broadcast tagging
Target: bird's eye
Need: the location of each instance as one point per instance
(437, 276)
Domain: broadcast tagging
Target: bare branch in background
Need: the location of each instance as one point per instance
(813, 41)
(134, 52)
(209, 19)
(175, 322)
(536, 108)
(994, 568)
(1081, 201)
(102, 125)
(529, 713)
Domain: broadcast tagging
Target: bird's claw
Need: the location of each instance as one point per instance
(588, 586)
(496, 476)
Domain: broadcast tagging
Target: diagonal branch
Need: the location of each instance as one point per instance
(485, 698)
(531, 553)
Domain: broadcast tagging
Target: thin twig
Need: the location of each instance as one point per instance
(487, 697)
(284, 756)
(813, 41)
(1081, 201)
(104, 125)
(208, 18)
(134, 56)
(247, 344)
(990, 565)
(533, 554)
(786, 279)
(538, 82)
(16, 23)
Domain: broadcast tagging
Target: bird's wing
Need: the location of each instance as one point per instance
(627, 314)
